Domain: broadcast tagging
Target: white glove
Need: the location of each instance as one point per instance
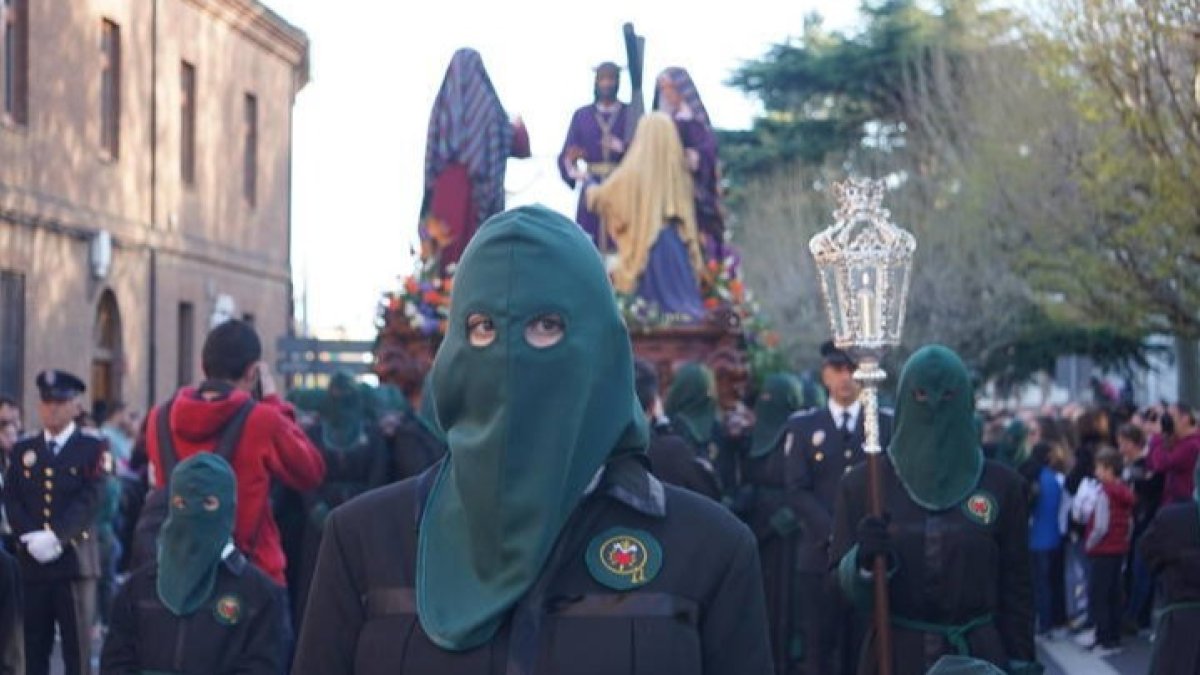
(43, 545)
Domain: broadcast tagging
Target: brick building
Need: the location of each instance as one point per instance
(145, 155)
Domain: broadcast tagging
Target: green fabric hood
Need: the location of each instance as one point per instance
(202, 504)
(934, 447)
(782, 395)
(691, 403)
(527, 428)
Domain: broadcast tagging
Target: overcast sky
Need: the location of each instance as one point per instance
(360, 124)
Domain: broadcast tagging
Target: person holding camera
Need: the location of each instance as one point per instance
(271, 446)
(1174, 447)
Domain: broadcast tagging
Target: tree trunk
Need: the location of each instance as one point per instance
(1188, 357)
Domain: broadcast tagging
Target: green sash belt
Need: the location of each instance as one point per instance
(955, 634)
(1179, 607)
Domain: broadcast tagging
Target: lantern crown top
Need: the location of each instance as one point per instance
(861, 224)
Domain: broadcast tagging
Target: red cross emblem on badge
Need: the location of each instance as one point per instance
(626, 556)
(981, 508)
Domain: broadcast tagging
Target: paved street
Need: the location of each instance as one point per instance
(1064, 657)
(1061, 657)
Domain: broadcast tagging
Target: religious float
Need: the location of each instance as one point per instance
(648, 194)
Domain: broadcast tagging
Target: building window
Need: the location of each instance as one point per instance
(110, 88)
(16, 59)
(250, 150)
(187, 123)
(12, 333)
(187, 342)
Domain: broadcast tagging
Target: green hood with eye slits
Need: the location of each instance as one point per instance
(527, 428)
(202, 502)
(935, 448)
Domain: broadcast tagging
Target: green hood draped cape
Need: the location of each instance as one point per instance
(935, 448)
(691, 403)
(527, 428)
(782, 395)
(198, 526)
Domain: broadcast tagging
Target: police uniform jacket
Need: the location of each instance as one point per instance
(699, 608)
(807, 468)
(59, 492)
(241, 628)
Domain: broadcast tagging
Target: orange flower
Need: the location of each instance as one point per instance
(737, 289)
(393, 303)
(410, 286)
(711, 303)
(434, 298)
(448, 284)
(713, 265)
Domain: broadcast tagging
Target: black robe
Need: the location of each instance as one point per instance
(674, 462)
(1171, 549)
(242, 629)
(12, 638)
(949, 569)
(349, 472)
(702, 613)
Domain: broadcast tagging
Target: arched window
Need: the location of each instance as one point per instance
(107, 362)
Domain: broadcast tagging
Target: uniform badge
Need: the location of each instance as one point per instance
(624, 559)
(981, 508)
(228, 610)
(818, 437)
(29, 458)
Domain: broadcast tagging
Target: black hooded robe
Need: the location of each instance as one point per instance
(702, 613)
(949, 569)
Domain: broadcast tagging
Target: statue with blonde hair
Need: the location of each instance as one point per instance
(647, 207)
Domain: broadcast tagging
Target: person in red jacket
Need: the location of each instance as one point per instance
(1173, 452)
(272, 445)
(1106, 541)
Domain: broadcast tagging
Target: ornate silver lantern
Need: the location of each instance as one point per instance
(864, 262)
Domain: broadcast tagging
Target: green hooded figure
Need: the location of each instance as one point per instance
(691, 403)
(343, 413)
(197, 529)
(534, 388)
(934, 446)
(1012, 451)
(782, 395)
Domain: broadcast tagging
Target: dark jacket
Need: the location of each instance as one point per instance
(818, 455)
(702, 612)
(1171, 549)
(242, 629)
(674, 462)
(12, 638)
(965, 564)
(62, 492)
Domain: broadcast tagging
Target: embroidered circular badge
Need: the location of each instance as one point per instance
(981, 508)
(29, 458)
(228, 610)
(624, 559)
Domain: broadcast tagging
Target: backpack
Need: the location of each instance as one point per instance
(155, 508)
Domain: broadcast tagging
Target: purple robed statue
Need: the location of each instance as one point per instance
(675, 94)
(598, 135)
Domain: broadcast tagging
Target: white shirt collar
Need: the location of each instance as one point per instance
(837, 410)
(228, 550)
(61, 439)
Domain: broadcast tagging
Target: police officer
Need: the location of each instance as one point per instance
(825, 443)
(52, 495)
